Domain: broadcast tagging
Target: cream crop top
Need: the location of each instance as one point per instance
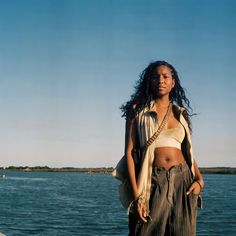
(172, 137)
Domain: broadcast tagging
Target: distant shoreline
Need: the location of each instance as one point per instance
(106, 170)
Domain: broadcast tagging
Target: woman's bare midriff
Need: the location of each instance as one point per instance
(167, 157)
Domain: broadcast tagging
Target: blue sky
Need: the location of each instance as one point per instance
(67, 66)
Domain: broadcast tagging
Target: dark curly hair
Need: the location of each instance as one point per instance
(143, 95)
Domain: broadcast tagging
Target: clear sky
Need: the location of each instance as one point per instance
(67, 66)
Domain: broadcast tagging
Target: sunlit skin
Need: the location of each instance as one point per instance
(166, 157)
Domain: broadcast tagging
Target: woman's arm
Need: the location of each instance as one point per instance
(198, 183)
(198, 176)
(130, 143)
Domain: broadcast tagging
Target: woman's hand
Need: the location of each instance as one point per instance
(194, 188)
(141, 211)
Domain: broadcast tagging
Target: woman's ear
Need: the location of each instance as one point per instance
(173, 83)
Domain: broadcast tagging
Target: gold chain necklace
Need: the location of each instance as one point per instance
(165, 116)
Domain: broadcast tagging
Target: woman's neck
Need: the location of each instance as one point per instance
(162, 102)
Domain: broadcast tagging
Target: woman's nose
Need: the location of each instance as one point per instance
(161, 79)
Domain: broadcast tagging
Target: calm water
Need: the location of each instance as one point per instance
(87, 204)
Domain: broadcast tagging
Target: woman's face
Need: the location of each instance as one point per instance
(163, 82)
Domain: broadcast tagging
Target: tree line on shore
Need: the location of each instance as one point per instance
(106, 170)
(62, 169)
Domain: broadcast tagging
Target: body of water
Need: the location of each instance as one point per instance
(50, 204)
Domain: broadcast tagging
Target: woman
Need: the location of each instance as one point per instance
(167, 187)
